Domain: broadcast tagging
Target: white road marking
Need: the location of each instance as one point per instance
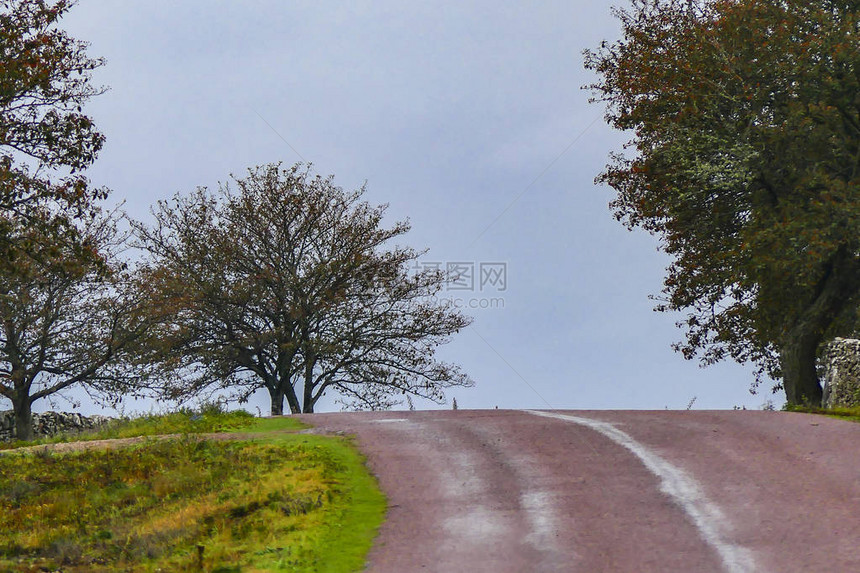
(686, 492)
(389, 420)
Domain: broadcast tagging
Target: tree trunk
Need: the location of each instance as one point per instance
(23, 418)
(309, 386)
(278, 392)
(277, 402)
(800, 344)
(293, 400)
(799, 376)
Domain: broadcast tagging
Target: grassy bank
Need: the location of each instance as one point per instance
(286, 502)
(206, 419)
(851, 414)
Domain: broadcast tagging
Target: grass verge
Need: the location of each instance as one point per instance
(289, 502)
(851, 414)
(207, 419)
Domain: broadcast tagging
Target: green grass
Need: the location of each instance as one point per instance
(206, 419)
(273, 424)
(289, 502)
(851, 414)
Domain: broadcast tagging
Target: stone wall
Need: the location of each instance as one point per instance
(841, 361)
(51, 423)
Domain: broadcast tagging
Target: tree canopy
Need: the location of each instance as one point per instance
(45, 138)
(287, 282)
(65, 311)
(66, 321)
(744, 160)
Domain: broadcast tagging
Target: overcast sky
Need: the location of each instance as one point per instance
(466, 117)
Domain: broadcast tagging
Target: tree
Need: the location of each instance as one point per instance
(287, 283)
(745, 118)
(65, 320)
(45, 139)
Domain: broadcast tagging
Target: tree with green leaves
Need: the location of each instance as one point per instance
(67, 321)
(45, 138)
(288, 283)
(745, 161)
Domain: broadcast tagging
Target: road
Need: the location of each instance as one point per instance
(599, 491)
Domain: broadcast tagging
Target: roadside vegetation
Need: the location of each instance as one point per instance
(81, 310)
(852, 414)
(208, 418)
(274, 501)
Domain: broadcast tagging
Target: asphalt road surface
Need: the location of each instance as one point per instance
(600, 491)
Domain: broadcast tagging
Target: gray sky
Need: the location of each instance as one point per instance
(467, 118)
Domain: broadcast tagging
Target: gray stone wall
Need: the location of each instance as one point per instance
(841, 362)
(51, 423)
